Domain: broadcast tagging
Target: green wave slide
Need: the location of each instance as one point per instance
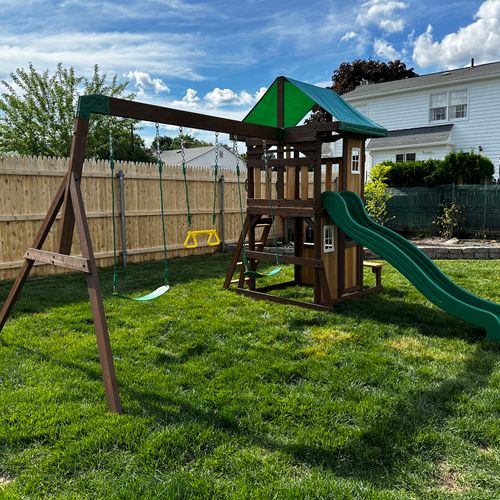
(347, 211)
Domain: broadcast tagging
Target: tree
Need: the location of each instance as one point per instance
(350, 74)
(37, 112)
(168, 143)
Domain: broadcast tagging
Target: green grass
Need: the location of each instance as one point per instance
(387, 397)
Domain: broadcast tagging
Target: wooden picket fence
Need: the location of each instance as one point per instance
(28, 184)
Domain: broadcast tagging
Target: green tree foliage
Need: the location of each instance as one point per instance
(350, 74)
(168, 143)
(377, 195)
(37, 111)
(459, 167)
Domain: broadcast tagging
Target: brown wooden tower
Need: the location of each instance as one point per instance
(324, 257)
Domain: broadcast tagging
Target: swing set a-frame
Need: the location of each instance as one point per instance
(274, 142)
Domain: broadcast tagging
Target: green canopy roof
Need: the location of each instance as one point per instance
(299, 98)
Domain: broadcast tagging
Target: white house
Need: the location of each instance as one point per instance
(430, 115)
(202, 157)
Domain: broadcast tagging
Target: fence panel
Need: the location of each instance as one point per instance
(413, 209)
(27, 185)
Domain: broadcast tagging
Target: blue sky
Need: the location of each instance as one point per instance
(217, 57)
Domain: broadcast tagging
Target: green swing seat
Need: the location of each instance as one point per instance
(257, 274)
(150, 296)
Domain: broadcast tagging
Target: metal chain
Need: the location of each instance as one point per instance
(243, 251)
(166, 273)
(216, 170)
(269, 181)
(184, 173)
(113, 217)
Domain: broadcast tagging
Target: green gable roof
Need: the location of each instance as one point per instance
(299, 98)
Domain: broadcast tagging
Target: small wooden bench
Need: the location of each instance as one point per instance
(376, 268)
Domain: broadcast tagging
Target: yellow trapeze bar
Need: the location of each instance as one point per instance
(191, 240)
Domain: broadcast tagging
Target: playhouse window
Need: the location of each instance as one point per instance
(355, 160)
(328, 239)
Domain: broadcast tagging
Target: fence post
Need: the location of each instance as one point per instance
(222, 216)
(121, 180)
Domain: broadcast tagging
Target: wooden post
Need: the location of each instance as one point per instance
(94, 290)
(318, 237)
(77, 157)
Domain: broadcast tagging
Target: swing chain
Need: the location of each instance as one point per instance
(216, 171)
(266, 157)
(113, 218)
(184, 173)
(238, 172)
(166, 272)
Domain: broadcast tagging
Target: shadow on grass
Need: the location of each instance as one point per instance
(378, 454)
(41, 294)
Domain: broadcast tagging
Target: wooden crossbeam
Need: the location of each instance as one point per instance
(58, 259)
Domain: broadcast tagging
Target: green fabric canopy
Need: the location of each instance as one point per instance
(299, 98)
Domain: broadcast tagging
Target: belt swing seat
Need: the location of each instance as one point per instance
(191, 240)
(158, 292)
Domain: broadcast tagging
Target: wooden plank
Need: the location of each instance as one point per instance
(77, 157)
(283, 212)
(94, 291)
(170, 116)
(277, 286)
(254, 294)
(58, 259)
(285, 259)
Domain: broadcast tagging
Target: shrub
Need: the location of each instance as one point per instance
(449, 220)
(377, 197)
(459, 167)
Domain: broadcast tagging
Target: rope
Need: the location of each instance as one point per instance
(216, 170)
(184, 173)
(166, 273)
(112, 168)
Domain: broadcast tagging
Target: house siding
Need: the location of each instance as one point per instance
(411, 110)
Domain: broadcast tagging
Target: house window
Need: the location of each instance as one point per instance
(458, 104)
(448, 106)
(328, 239)
(405, 157)
(438, 105)
(355, 159)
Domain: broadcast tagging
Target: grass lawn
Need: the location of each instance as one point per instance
(387, 397)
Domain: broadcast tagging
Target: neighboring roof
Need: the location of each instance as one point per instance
(433, 79)
(439, 134)
(174, 157)
(299, 98)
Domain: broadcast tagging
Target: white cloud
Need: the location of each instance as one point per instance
(480, 39)
(143, 82)
(382, 13)
(349, 36)
(175, 56)
(189, 101)
(227, 97)
(385, 49)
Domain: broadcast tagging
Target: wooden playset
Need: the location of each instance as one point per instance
(326, 260)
